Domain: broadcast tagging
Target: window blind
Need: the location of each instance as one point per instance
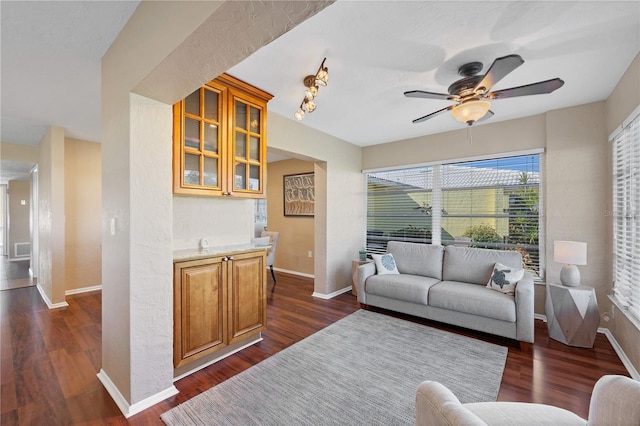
(490, 204)
(399, 207)
(626, 217)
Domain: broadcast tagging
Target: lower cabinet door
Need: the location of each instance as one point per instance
(247, 297)
(199, 309)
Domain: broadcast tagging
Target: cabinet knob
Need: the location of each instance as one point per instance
(230, 258)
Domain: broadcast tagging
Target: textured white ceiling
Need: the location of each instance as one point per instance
(376, 50)
(51, 52)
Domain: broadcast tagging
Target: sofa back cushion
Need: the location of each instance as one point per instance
(417, 259)
(474, 265)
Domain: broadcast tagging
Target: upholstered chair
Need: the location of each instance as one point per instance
(615, 401)
(271, 253)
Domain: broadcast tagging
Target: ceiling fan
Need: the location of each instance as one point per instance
(473, 91)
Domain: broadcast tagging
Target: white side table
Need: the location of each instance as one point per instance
(354, 274)
(572, 314)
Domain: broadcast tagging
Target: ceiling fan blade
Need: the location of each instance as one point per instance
(539, 88)
(498, 69)
(487, 116)
(430, 95)
(433, 114)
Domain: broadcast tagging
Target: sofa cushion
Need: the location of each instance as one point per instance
(385, 264)
(410, 288)
(504, 278)
(473, 299)
(417, 259)
(474, 265)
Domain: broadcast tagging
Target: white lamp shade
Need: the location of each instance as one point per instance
(570, 252)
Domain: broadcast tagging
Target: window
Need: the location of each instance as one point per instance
(626, 216)
(490, 204)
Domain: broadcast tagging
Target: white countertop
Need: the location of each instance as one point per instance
(213, 251)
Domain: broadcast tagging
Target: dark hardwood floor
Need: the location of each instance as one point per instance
(15, 274)
(50, 358)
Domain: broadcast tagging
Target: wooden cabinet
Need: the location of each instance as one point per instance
(220, 140)
(217, 302)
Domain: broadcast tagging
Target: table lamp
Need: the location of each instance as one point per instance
(571, 253)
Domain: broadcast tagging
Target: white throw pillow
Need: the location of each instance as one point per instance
(504, 278)
(385, 264)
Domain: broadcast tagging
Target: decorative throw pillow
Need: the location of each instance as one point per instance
(385, 264)
(504, 278)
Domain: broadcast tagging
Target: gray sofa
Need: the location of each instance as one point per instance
(448, 285)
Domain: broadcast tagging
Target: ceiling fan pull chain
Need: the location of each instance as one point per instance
(469, 137)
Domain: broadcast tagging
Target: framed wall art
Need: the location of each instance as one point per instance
(299, 194)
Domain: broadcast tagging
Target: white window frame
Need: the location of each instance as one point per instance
(625, 158)
(436, 167)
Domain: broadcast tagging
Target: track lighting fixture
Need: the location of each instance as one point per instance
(311, 83)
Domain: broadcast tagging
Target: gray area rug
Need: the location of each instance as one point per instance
(361, 370)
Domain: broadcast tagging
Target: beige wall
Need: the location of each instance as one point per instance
(18, 214)
(625, 96)
(576, 192)
(83, 225)
(296, 233)
(22, 153)
(51, 236)
(339, 224)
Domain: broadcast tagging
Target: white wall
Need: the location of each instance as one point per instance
(223, 221)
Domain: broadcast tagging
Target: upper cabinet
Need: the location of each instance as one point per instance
(220, 140)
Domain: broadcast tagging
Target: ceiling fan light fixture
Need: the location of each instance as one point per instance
(299, 115)
(470, 111)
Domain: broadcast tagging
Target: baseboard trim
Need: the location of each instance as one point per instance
(616, 347)
(623, 356)
(46, 299)
(82, 290)
(286, 271)
(127, 409)
(221, 357)
(331, 295)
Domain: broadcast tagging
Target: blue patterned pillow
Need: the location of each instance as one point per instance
(385, 264)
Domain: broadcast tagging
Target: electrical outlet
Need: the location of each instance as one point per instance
(310, 253)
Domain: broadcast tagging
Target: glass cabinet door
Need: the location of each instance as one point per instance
(248, 140)
(201, 147)
(220, 140)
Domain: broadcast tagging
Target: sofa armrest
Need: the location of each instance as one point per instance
(437, 405)
(524, 309)
(364, 271)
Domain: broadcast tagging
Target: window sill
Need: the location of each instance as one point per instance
(624, 311)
